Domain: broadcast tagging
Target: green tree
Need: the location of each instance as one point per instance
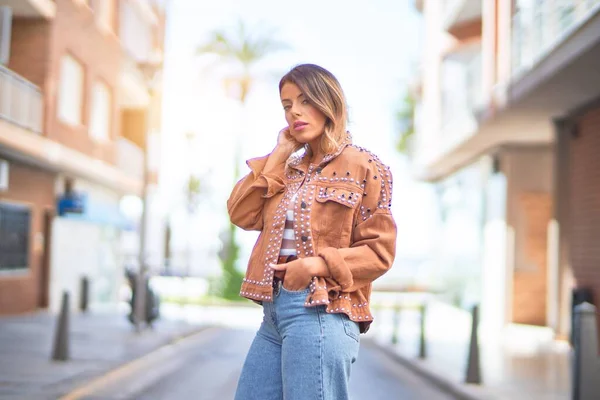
(192, 193)
(405, 118)
(240, 52)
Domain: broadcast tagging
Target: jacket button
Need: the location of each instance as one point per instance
(303, 205)
(304, 238)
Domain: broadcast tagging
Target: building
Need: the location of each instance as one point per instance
(508, 122)
(78, 117)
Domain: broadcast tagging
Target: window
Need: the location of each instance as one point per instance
(100, 119)
(14, 237)
(70, 91)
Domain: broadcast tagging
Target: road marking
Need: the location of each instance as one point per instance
(133, 367)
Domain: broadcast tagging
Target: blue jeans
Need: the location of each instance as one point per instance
(299, 353)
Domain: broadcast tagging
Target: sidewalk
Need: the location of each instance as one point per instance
(99, 342)
(525, 363)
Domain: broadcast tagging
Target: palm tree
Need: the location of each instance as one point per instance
(243, 51)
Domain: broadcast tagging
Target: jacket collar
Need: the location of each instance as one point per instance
(300, 161)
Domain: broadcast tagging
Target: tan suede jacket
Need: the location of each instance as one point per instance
(342, 213)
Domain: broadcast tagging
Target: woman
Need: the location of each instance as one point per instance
(327, 233)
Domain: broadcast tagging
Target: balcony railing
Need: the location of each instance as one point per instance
(540, 28)
(462, 98)
(21, 101)
(130, 158)
(461, 88)
(450, 9)
(458, 11)
(474, 82)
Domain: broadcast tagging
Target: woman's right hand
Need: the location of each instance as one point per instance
(286, 143)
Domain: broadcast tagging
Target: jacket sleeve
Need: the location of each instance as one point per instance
(373, 247)
(246, 202)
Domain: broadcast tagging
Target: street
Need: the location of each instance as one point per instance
(207, 365)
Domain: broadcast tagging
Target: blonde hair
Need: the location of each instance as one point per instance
(324, 92)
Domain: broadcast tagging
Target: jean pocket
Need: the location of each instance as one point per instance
(350, 327)
(302, 291)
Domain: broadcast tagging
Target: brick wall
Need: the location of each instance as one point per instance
(529, 209)
(35, 188)
(75, 32)
(133, 126)
(30, 49)
(530, 279)
(584, 203)
(467, 30)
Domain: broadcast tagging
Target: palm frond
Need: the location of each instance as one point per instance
(245, 47)
(242, 49)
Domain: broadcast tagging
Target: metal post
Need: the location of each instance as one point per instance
(150, 70)
(60, 352)
(140, 282)
(84, 294)
(473, 364)
(395, 322)
(422, 343)
(586, 362)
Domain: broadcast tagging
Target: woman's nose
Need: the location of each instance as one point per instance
(296, 110)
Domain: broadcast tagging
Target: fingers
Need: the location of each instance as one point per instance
(278, 267)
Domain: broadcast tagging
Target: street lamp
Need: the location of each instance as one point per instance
(151, 72)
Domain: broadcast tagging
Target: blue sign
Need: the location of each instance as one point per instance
(73, 203)
(79, 206)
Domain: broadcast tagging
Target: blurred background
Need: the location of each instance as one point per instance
(124, 125)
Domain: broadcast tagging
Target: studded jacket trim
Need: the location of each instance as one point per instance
(342, 213)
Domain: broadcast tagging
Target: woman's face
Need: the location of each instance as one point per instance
(305, 121)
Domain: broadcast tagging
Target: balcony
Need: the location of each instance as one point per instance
(130, 159)
(21, 101)
(539, 29)
(31, 8)
(462, 96)
(456, 12)
(554, 63)
(133, 83)
(137, 22)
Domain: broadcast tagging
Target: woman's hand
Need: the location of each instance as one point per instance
(299, 273)
(286, 143)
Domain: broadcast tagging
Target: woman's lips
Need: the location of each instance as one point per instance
(298, 126)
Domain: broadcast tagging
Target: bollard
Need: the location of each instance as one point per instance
(422, 344)
(84, 294)
(579, 296)
(61, 336)
(396, 322)
(586, 362)
(473, 364)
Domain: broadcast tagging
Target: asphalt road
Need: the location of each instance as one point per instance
(206, 367)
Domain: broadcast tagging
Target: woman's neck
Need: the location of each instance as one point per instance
(315, 152)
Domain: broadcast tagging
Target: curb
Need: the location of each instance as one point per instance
(459, 391)
(131, 367)
(75, 383)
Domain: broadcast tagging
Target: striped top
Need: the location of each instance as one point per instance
(287, 244)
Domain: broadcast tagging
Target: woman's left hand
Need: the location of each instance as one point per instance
(299, 273)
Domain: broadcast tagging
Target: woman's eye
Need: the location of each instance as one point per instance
(286, 108)
(304, 101)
